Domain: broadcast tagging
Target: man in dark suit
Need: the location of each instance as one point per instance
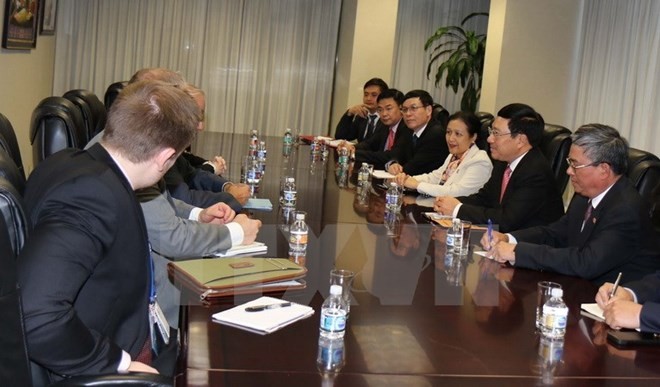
(377, 149)
(85, 272)
(637, 306)
(521, 191)
(360, 121)
(424, 147)
(607, 228)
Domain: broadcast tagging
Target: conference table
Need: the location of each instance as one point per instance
(418, 317)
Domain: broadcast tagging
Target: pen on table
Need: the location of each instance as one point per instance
(616, 285)
(259, 308)
(490, 234)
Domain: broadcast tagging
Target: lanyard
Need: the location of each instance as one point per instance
(152, 279)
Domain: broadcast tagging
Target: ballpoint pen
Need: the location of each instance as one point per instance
(616, 285)
(259, 308)
(490, 234)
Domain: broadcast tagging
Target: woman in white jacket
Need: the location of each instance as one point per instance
(466, 169)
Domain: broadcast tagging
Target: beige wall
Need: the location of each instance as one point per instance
(365, 50)
(531, 56)
(26, 78)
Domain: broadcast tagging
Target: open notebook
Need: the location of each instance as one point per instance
(264, 321)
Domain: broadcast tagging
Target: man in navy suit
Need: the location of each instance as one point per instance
(424, 147)
(521, 191)
(360, 121)
(607, 228)
(85, 272)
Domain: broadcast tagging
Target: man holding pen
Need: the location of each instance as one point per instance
(606, 229)
(637, 306)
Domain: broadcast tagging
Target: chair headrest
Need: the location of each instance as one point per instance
(10, 172)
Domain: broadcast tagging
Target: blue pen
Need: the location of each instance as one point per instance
(490, 234)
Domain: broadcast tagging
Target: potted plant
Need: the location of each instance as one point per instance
(461, 55)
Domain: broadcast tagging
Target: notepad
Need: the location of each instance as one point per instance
(381, 174)
(259, 204)
(252, 249)
(266, 321)
(592, 311)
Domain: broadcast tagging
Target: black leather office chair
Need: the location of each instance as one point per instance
(486, 121)
(92, 109)
(15, 367)
(440, 114)
(56, 124)
(9, 143)
(555, 145)
(111, 93)
(644, 173)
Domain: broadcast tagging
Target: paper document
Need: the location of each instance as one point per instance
(265, 321)
(592, 311)
(259, 204)
(253, 248)
(381, 174)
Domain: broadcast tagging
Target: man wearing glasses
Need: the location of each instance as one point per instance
(423, 148)
(521, 191)
(607, 228)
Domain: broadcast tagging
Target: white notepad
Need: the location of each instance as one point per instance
(592, 311)
(381, 174)
(265, 321)
(252, 249)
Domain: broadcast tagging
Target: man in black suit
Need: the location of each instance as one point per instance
(377, 149)
(360, 121)
(607, 228)
(637, 306)
(85, 272)
(521, 191)
(424, 147)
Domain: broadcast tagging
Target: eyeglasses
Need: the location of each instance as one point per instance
(571, 163)
(496, 133)
(411, 109)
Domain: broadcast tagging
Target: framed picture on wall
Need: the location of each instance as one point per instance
(48, 17)
(20, 24)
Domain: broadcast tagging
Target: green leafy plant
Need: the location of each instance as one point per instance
(460, 54)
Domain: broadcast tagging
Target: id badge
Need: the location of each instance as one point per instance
(156, 316)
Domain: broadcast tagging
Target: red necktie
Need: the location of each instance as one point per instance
(390, 140)
(505, 181)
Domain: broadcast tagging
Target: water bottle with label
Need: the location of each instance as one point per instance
(333, 315)
(298, 233)
(287, 142)
(555, 315)
(253, 143)
(261, 158)
(393, 198)
(289, 192)
(455, 236)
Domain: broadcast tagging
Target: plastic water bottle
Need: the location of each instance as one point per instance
(289, 193)
(298, 235)
(261, 158)
(455, 237)
(343, 157)
(363, 175)
(287, 142)
(253, 143)
(333, 315)
(555, 315)
(393, 198)
(330, 357)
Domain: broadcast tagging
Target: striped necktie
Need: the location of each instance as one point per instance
(505, 181)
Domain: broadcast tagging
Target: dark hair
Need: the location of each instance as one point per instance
(423, 96)
(473, 126)
(395, 94)
(603, 144)
(148, 116)
(523, 119)
(376, 82)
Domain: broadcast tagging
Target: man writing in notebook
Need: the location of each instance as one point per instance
(637, 306)
(607, 228)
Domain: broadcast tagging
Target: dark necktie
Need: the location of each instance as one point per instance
(587, 214)
(370, 125)
(414, 141)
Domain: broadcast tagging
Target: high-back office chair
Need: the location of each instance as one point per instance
(440, 114)
(9, 143)
(56, 124)
(15, 367)
(92, 109)
(555, 145)
(644, 173)
(111, 93)
(486, 121)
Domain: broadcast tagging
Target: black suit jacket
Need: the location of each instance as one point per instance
(353, 128)
(84, 271)
(371, 150)
(619, 238)
(647, 291)
(531, 199)
(428, 153)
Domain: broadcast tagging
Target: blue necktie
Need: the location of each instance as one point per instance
(370, 125)
(414, 141)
